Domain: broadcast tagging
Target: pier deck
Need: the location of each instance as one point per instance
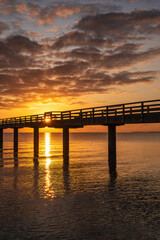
(111, 116)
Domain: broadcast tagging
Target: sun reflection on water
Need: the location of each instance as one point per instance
(49, 192)
(47, 144)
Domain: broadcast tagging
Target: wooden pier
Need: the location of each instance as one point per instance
(111, 116)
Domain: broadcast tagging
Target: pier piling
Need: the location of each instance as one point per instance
(15, 142)
(112, 148)
(66, 145)
(36, 142)
(1, 139)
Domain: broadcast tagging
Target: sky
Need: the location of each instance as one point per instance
(63, 55)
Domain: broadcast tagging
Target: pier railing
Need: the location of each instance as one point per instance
(79, 115)
(127, 109)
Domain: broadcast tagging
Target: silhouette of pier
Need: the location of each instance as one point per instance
(111, 116)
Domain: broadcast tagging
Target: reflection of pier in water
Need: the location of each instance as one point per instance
(111, 116)
(47, 182)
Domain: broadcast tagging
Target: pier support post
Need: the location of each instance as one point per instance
(1, 147)
(112, 148)
(66, 145)
(1, 140)
(15, 143)
(36, 142)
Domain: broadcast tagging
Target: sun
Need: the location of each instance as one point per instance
(47, 119)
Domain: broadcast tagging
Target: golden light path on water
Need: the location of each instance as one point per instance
(49, 192)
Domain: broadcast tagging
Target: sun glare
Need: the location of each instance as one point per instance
(47, 144)
(47, 119)
(49, 192)
(47, 152)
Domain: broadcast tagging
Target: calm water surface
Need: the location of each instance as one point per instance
(49, 201)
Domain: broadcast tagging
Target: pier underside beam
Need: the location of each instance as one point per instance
(36, 142)
(15, 142)
(66, 145)
(112, 148)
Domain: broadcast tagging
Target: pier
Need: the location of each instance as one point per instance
(110, 116)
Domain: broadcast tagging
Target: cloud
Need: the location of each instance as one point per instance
(77, 38)
(18, 52)
(118, 39)
(21, 43)
(17, 23)
(33, 34)
(126, 58)
(47, 13)
(120, 24)
(70, 79)
(101, 52)
(112, 29)
(69, 68)
(3, 27)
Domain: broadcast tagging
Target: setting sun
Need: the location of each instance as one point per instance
(47, 119)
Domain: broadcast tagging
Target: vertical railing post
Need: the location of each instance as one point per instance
(142, 110)
(123, 113)
(80, 116)
(93, 115)
(70, 117)
(115, 112)
(107, 114)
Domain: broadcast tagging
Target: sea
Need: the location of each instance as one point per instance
(49, 200)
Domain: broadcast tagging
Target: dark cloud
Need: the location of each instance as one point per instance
(70, 68)
(23, 44)
(18, 52)
(127, 58)
(120, 57)
(76, 38)
(120, 24)
(3, 27)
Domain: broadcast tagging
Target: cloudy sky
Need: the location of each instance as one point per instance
(57, 55)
